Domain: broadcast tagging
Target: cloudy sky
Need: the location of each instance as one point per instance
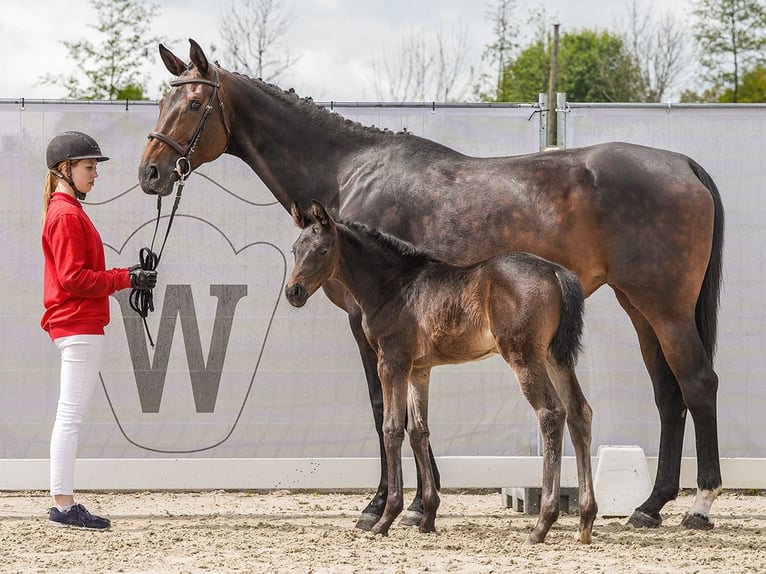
(337, 42)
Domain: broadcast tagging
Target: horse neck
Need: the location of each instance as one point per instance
(293, 145)
(367, 264)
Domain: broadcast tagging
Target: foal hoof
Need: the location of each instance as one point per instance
(367, 521)
(642, 520)
(694, 521)
(410, 518)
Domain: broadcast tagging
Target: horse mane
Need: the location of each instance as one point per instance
(312, 109)
(352, 230)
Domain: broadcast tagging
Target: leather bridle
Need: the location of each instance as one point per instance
(141, 301)
(185, 153)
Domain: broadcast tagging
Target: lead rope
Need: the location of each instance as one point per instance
(141, 300)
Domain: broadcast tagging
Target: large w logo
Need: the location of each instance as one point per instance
(205, 375)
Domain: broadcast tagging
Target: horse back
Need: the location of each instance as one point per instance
(608, 212)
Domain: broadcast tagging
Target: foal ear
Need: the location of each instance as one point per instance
(173, 63)
(198, 57)
(320, 214)
(300, 217)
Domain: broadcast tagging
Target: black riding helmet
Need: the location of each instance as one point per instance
(72, 146)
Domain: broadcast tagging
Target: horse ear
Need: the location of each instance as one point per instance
(173, 63)
(198, 57)
(299, 216)
(320, 214)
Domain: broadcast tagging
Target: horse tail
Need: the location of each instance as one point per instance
(566, 342)
(706, 313)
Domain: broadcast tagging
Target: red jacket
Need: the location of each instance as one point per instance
(77, 285)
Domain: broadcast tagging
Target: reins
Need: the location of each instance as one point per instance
(141, 300)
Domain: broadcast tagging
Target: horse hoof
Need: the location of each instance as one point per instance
(410, 518)
(531, 541)
(367, 521)
(642, 520)
(696, 522)
(379, 530)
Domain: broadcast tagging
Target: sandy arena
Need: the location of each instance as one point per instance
(305, 532)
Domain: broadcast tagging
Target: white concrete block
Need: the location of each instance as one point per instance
(621, 481)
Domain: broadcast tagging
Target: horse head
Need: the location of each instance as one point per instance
(315, 251)
(192, 127)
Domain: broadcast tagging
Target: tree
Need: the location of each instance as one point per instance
(593, 67)
(493, 87)
(252, 33)
(751, 89)
(657, 42)
(112, 67)
(423, 70)
(731, 37)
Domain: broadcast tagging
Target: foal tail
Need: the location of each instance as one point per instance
(566, 342)
(709, 297)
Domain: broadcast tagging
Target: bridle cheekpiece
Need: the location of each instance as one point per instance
(183, 163)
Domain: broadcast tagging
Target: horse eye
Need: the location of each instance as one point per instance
(323, 251)
(195, 105)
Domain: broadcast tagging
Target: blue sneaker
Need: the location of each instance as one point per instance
(78, 517)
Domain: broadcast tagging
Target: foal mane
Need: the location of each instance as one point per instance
(356, 232)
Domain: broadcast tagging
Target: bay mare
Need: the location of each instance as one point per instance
(647, 222)
(419, 312)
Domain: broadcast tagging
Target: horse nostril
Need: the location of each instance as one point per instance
(152, 173)
(295, 294)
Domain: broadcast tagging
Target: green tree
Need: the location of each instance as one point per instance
(111, 68)
(731, 37)
(752, 89)
(492, 86)
(593, 67)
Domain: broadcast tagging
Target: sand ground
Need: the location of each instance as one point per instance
(313, 532)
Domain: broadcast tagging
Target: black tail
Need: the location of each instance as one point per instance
(710, 294)
(566, 343)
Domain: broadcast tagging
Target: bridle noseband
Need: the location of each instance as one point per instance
(182, 170)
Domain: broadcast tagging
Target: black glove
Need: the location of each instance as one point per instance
(143, 279)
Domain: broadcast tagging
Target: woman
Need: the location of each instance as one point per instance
(76, 293)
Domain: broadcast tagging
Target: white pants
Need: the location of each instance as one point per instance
(80, 364)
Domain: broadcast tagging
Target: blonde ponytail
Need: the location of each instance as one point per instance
(51, 181)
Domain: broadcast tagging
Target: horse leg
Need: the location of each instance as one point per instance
(417, 428)
(669, 402)
(579, 421)
(672, 408)
(551, 417)
(394, 382)
(699, 387)
(371, 514)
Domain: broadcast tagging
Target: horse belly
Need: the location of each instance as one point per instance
(462, 346)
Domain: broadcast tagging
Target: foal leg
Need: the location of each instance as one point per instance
(579, 421)
(372, 512)
(394, 377)
(417, 428)
(551, 416)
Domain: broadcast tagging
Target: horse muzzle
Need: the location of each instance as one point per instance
(154, 181)
(296, 295)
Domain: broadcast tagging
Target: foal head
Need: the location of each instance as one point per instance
(315, 252)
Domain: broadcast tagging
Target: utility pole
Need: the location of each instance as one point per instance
(553, 85)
